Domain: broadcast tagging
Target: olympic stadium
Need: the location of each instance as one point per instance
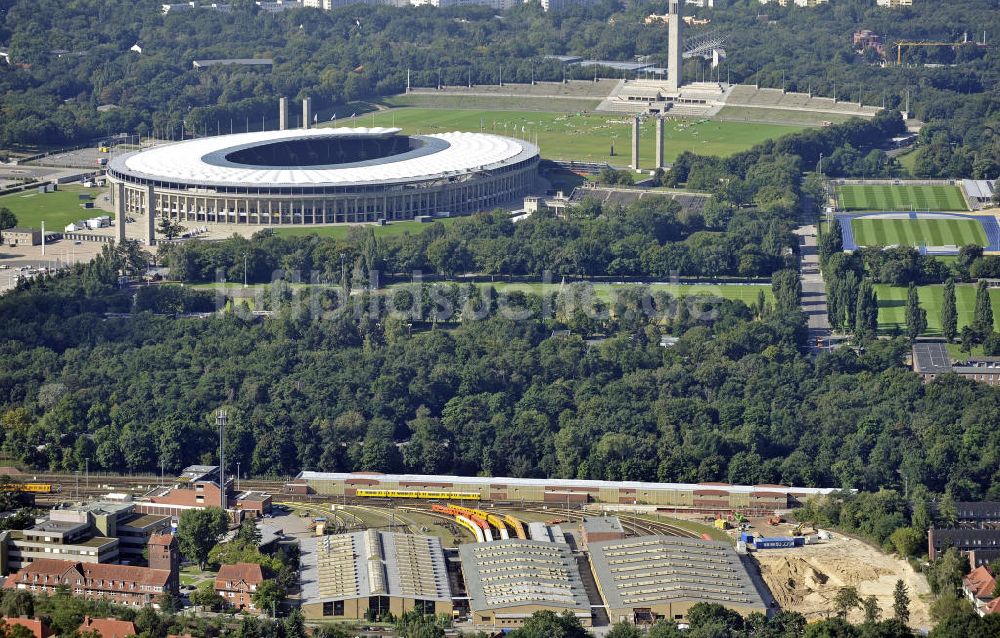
(321, 176)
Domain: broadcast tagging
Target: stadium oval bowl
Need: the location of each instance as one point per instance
(323, 176)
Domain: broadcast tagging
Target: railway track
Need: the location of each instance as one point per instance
(632, 526)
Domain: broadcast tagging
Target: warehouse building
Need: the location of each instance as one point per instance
(707, 498)
(601, 528)
(650, 578)
(509, 580)
(367, 574)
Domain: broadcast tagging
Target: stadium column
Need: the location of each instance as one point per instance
(307, 112)
(283, 114)
(675, 54)
(659, 143)
(635, 143)
(119, 195)
(150, 215)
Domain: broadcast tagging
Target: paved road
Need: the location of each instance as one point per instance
(813, 289)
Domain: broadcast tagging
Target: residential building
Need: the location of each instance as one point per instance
(237, 584)
(37, 628)
(119, 584)
(108, 627)
(652, 578)
(894, 4)
(985, 542)
(165, 555)
(868, 39)
(509, 580)
(979, 586)
(349, 576)
(981, 514)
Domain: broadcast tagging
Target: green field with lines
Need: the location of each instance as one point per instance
(580, 136)
(892, 305)
(918, 232)
(903, 197)
(56, 209)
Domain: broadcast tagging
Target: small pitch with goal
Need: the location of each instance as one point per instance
(931, 233)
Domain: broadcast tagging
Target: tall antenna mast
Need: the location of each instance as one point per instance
(220, 419)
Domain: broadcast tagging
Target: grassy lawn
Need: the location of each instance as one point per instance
(918, 232)
(191, 575)
(494, 103)
(605, 292)
(56, 209)
(905, 197)
(341, 232)
(581, 136)
(892, 305)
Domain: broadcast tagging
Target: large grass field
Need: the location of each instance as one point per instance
(605, 292)
(56, 209)
(341, 231)
(918, 232)
(886, 197)
(581, 136)
(892, 305)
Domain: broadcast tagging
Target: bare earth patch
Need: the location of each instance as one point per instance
(806, 579)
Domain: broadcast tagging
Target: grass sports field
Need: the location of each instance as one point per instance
(56, 209)
(892, 305)
(918, 232)
(745, 293)
(885, 197)
(581, 136)
(341, 232)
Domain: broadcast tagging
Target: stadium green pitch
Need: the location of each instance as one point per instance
(902, 197)
(584, 137)
(892, 306)
(918, 232)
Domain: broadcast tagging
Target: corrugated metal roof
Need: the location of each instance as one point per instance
(552, 484)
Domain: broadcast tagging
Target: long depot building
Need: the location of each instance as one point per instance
(650, 578)
(694, 497)
(509, 580)
(366, 574)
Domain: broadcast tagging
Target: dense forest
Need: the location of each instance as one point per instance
(69, 59)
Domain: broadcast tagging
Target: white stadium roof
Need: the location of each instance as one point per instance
(202, 161)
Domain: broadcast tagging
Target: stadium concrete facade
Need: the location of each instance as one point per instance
(321, 176)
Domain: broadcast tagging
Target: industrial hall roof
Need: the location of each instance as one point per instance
(649, 570)
(516, 573)
(373, 563)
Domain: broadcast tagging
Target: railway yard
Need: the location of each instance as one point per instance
(802, 578)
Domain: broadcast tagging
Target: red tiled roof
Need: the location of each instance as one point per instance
(108, 627)
(980, 582)
(127, 573)
(250, 573)
(992, 607)
(37, 628)
(52, 571)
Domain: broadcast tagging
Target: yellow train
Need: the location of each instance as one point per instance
(35, 488)
(451, 496)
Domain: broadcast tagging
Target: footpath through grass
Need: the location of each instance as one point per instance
(892, 306)
(918, 232)
(902, 197)
(56, 209)
(581, 136)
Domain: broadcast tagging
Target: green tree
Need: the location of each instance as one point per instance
(831, 241)
(205, 596)
(548, 624)
(949, 312)
(871, 609)
(18, 603)
(199, 530)
(916, 317)
(248, 533)
(625, 630)
(7, 220)
(866, 313)
(982, 318)
(269, 596)
(846, 600)
(907, 541)
(169, 228)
